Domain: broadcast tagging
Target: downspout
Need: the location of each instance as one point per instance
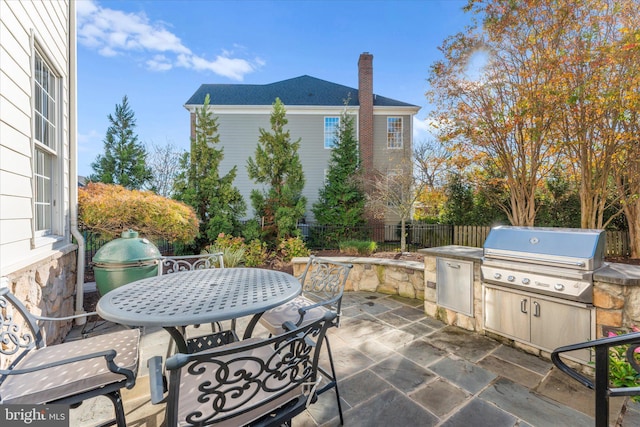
(73, 160)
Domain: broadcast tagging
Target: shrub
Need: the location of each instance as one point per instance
(227, 241)
(292, 247)
(107, 209)
(621, 373)
(251, 230)
(357, 247)
(256, 253)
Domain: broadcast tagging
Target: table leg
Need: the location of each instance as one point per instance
(178, 338)
(252, 324)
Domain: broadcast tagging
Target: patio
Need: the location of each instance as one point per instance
(398, 367)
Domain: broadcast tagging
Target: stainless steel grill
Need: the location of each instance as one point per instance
(552, 261)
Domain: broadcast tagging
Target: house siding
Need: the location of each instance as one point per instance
(239, 137)
(40, 271)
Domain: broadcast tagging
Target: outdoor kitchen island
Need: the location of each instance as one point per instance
(614, 305)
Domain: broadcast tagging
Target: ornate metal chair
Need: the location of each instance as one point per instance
(256, 382)
(601, 385)
(174, 264)
(66, 373)
(323, 283)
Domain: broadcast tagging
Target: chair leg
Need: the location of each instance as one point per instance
(116, 399)
(334, 380)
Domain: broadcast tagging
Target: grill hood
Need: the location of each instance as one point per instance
(575, 248)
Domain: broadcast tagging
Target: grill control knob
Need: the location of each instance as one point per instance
(526, 281)
(511, 278)
(558, 287)
(497, 276)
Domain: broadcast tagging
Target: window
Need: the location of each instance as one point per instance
(46, 119)
(394, 132)
(331, 127)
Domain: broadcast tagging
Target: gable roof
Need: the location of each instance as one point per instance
(303, 90)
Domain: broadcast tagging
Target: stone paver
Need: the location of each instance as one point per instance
(480, 413)
(532, 408)
(440, 397)
(403, 373)
(464, 374)
(389, 408)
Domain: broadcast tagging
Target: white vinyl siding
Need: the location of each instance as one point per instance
(34, 131)
(394, 132)
(331, 127)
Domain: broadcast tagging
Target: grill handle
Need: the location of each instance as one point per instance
(523, 305)
(536, 309)
(535, 259)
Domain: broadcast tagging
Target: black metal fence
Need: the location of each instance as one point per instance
(387, 238)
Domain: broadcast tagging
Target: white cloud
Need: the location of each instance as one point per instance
(113, 32)
(423, 130)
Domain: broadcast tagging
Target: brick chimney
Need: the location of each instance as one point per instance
(365, 99)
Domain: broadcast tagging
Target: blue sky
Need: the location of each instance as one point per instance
(159, 52)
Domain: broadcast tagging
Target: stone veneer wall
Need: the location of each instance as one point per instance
(391, 277)
(48, 289)
(617, 307)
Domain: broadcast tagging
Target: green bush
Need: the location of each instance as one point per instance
(252, 230)
(292, 247)
(255, 254)
(357, 247)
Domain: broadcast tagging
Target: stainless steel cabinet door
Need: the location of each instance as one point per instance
(454, 285)
(554, 325)
(507, 313)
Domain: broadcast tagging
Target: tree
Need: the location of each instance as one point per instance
(124, 158)
(277, 165)
(164, 162)
(501, 112)
(218, 204)
(397, 192)
(341, 200)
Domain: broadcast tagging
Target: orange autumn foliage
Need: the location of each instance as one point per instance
(107, 210)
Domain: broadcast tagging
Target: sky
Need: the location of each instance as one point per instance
(159, 52)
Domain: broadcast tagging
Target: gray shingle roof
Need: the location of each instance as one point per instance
(303, 90)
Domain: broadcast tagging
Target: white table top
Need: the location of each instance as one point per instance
(198, 297)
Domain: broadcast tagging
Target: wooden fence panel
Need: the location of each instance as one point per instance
(618, 244)
(470, 235)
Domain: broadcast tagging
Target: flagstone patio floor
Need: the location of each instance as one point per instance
(397, 367)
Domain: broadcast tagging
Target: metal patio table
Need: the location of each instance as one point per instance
(174, 301)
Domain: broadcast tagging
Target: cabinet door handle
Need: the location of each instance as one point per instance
(523, 305)
(453, 265)
(536, 309)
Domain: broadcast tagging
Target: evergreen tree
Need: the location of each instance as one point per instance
(341, 200)
(218, 204)
(277, 165)
(125, 160)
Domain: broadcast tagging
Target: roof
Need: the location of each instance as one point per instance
(303, 90)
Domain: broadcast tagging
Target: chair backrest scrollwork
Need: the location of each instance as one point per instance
(175, 264)
(19, 331)
(241, 382)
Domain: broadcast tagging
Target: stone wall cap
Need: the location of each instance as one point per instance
(618, 274)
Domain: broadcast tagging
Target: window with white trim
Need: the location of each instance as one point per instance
(394, 132)
(46, 127)
(331, 128)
